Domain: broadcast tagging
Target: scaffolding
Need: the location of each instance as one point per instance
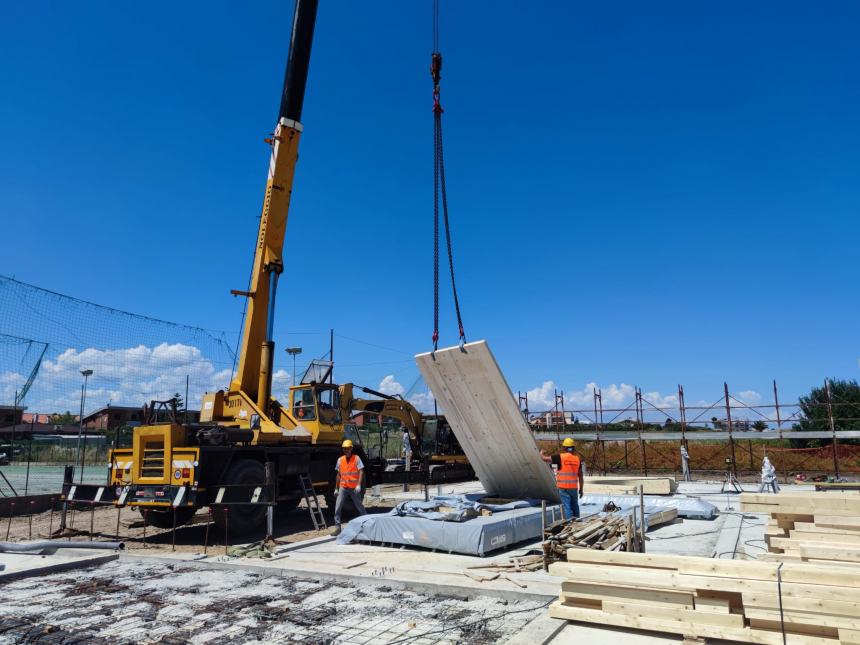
(739, 437)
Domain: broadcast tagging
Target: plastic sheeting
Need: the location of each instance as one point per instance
(422, 524)
(477, 402)
(456, 508)
(687, 506)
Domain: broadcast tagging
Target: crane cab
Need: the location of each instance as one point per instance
(317, 408)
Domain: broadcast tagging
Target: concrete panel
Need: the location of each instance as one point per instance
(475, 398)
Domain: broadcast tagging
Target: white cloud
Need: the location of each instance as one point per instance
(10, 384)
(389, 385)
(129, 376)
(281, 382)
(749, 396)
(423, 401)
(543, 396)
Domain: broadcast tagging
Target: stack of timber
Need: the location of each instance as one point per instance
(630, 485)
(710, 598)
(610, 532)
(814, 527)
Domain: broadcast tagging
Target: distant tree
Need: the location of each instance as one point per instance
(759, 425)
(845, 405)
(716, 423)
(179, 402)
(63, 419)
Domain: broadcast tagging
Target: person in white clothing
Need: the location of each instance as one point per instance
(768, 477)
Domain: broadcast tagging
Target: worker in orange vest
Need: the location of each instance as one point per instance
(348, 483)
(568, 476)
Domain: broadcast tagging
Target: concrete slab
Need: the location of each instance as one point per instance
(148, 602)
(22, 565)
(417, 570)
(477, 402)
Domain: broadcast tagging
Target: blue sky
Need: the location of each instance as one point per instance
(640, 194)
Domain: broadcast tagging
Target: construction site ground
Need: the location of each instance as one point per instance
(314, 589)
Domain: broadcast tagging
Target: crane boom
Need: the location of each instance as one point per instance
(254, 376)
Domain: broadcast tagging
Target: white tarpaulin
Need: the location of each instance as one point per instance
(472, 392)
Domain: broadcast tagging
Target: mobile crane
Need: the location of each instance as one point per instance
(247, 446)
(249, 452)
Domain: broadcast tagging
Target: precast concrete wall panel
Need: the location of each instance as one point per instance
(480, 407)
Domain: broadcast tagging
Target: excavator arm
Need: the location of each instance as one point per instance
(387, 406)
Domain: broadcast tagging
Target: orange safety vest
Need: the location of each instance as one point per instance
(568, 474)
(350, 475)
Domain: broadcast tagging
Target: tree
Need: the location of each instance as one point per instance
(63, 419)
(759, 425)
(815, 413)
(178, 402)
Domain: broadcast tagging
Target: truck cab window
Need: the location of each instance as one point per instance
(304, 408)
(329, 405)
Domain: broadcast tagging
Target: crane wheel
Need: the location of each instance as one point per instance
(243, 518)
(164, 519)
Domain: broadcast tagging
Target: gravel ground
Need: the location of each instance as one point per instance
(134, 602)
(290, 526)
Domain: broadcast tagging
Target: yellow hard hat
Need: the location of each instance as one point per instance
(346, 444)
(568, 442)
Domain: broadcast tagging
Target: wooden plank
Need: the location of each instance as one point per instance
(594, 591)
(698, 566)
(746, 635)
(815, 536)
(735, 621)
(776, 626)
(837, 521)
(651, 485)
(851, 636)
(711, 604)
(477, 402)
(831, 607)
(798, 617)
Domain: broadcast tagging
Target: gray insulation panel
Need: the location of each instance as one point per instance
(476, 400)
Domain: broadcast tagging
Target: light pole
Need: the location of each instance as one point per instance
(293, 351)
(86, 374)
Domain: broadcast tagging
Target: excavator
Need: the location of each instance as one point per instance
(250, 452)
(435, 449)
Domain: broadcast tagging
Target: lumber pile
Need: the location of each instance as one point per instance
(608, 533)
(815, 527)
(630, 485)
(709, 598)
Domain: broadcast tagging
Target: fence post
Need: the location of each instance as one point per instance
(832, 425)
(729, 422)
(639, 416)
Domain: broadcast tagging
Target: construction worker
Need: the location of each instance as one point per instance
(685, 463)
(349, 482)
(569, 477)
(768, 477)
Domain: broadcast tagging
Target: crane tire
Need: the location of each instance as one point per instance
(243, 518)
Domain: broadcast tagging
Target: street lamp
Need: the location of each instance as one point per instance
(86, 374)
(293, 351)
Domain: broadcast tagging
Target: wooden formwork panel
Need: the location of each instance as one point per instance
(476, 400)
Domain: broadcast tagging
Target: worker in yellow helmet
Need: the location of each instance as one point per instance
(348, 483)
(568, 476)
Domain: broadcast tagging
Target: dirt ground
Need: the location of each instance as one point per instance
(290, 526)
